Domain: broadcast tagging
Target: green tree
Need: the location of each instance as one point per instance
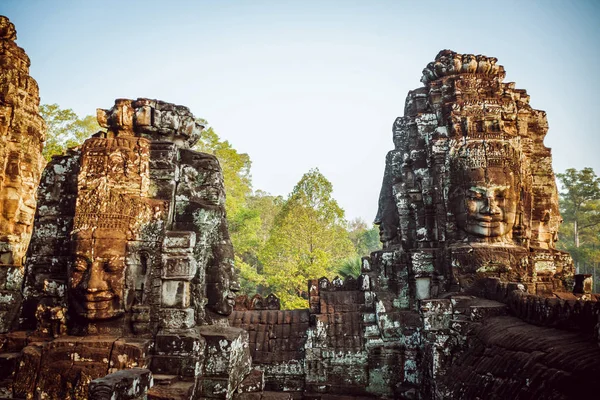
(249, 215)
(65, 129)
(307, 239)
(364, 239)
(236, 171)
(580, 209)
(351, 266)
(263, 207)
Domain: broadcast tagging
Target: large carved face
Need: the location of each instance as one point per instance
(11, 192)
(97, 278)
(221, 294)
(485, 203)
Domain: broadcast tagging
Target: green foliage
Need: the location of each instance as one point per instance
(580, 209)
(365, 239)
(308, 237)
(235, 167)
(65, 129)
(350, 267)
(266, 207)
(249, 215)
(250, 280)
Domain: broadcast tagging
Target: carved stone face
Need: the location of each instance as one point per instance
(485, 203)
(222, 293)
(96, 281)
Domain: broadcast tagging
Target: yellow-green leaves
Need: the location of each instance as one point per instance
(65, 129)
(308, 238)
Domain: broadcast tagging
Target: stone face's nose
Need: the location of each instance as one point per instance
(490, 206)
(96, 282)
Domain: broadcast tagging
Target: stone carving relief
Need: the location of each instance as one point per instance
(129, 276)
(484, 191)
(22, 133)
(470, 182)
(140, 257)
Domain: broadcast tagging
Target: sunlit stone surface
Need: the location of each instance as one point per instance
(131, 265)
(469, 185)
(129, 282)
(22, 133)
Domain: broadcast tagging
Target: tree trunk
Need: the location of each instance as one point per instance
(576, 234)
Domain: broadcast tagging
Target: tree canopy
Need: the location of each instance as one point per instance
(580, 209)
(279, 243)
(307, 239)
(65, 129)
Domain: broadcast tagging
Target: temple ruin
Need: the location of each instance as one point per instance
(22, 136)
(120, 283)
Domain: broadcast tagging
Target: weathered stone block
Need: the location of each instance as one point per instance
(227, 357)
(175, 294)
(25, 380)
(130, 353)
(175, 318)
(174, 391)
(130, 384)
(179, 344)
(179, 267)
(437, 314)
(176, 242)
(253, 382)
(184, 365)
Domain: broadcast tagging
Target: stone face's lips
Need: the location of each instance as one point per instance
(97, 298)
(487, 219)
(489, 224)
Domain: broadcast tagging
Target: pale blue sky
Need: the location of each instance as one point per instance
(302, 84)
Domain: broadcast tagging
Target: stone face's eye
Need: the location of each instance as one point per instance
(80, 265)
(113, 265)
(473, 195)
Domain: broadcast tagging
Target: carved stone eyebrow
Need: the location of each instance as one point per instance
(486, 189)
(499, 187)
(478, 189)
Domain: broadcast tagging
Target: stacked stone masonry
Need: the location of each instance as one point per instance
(127, 290)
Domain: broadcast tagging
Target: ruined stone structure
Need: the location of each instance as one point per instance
(128, 286)
(469, 189)
(468, 217)
(22, 134)
(130, 266)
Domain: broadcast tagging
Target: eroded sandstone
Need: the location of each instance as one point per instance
(22, 134)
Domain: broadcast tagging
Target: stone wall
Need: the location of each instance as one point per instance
(508, 358)
(568, 311)
(277, 341)
(490, 342)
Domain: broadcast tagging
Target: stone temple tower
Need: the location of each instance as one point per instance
(469, 191)
(22, 134)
